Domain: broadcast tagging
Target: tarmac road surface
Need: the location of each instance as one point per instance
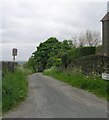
(50, 98)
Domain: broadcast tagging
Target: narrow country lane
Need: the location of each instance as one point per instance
(50, 98)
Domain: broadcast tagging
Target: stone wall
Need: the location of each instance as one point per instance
(8, 67)
(93, 64)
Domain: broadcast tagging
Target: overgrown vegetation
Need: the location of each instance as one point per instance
(52, 52)
(49, 53)
(75, 78)
(14, 89)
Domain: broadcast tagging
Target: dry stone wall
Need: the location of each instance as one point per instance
(8, 67)
(93, 64)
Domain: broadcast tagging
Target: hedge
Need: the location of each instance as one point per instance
(77, 53)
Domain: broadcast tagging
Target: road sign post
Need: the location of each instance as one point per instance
(14, 53)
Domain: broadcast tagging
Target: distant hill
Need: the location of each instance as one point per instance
(21, 62)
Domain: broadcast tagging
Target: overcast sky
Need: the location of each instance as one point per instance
(26, 23)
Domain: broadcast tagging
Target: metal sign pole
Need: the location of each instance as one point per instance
(13, 58)
(14, 53)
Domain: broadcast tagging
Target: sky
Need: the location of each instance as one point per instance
(26, 23)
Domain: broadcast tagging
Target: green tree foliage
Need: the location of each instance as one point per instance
(49, 53)
(30, 64)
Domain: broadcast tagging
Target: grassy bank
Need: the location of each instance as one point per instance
(14, 89)
(92, 84)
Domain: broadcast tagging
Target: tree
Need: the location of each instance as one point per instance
(45, 53)
(88, 38)
(49, 53)
(66, 45)
(82, 41)
(74, 41)
(30, 64)
(92, 38)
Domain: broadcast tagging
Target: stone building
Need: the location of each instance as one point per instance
(105, 34)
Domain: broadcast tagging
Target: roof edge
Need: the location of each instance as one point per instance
(105, 18)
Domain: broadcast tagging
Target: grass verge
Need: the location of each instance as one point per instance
(14, 89)
(0, 97)
(92, 84)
